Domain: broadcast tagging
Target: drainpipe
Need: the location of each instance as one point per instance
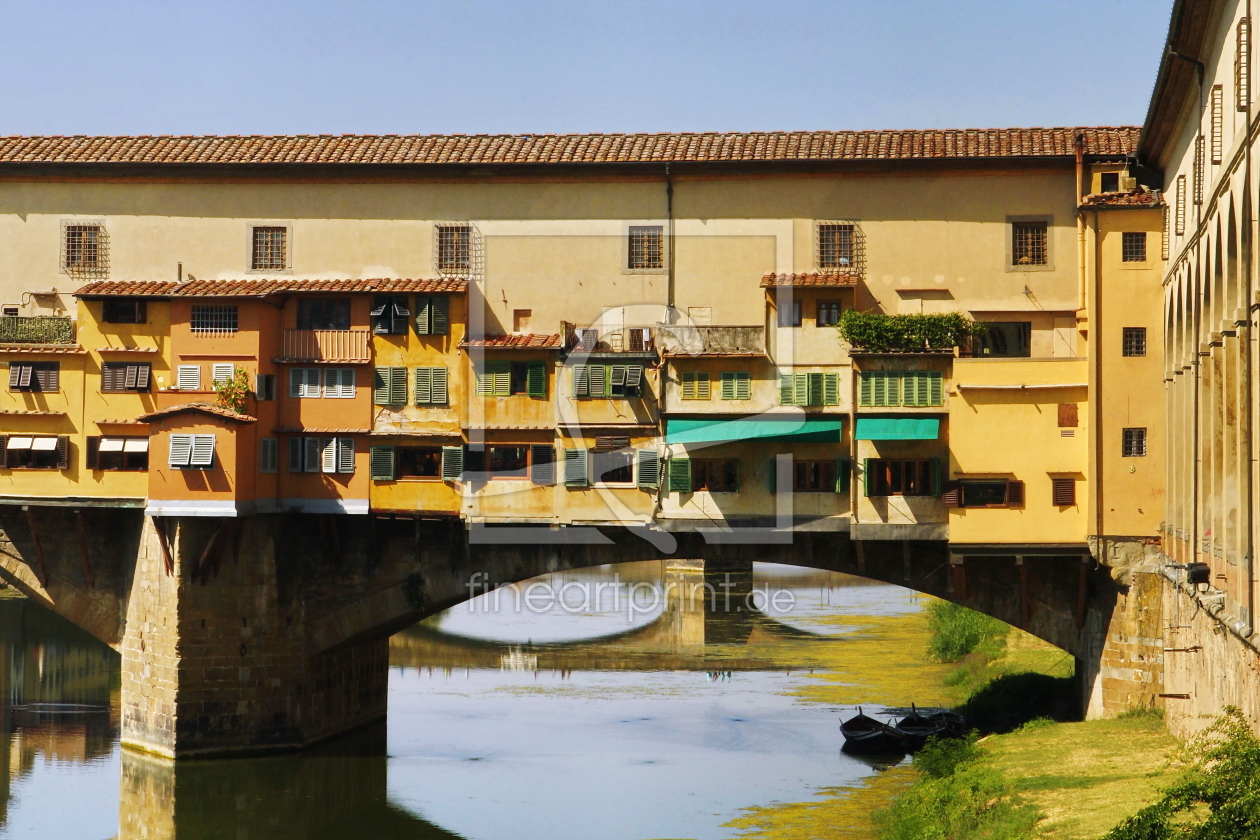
(1080, 218)
(1247, 346)
(1097, 396)
(669, 209)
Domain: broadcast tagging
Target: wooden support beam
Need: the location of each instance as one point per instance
(958, 576)
(80, 520)
(159, 528)
(1025, 608)
(41, 571)
(201, 569)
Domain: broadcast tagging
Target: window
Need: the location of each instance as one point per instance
(35, 376)
(188, 377)
(268, 455)
(646, 247)
(330, 383)
(125, 376)
(22, 452)
(268, 251)
(323, 314)
(9, 311)
(304, 383)
(505, 379)
(1063, 491)
(828, 313)
(321, 454)
(1005, 339)
(1198, 169)
(910, 388)
(612, 467)
(790, 316)
(1069, 415)
(339, 383)
(1181, 205)
(835, 245)
(1133, 246)
(418, 462)
(84, 252)
(695, 385)
(433, 315)
(213, 320)
(736, 385)
(453, 248)
(1134, 444)
(1109, 182)
(814, 476)
(389, 386)
(431, 388)
(221, 372)
(118, 454)
(508, 462)
(265, 386)
(900, 478)
(123, 311)
(1217, 119)
(1135, 341)
(1242, 65)
(191, 452)
(983, 493)
(390, 314)
(521, 319)
(715, 475)
(607, 381)
(1029, 243)
(809, 389)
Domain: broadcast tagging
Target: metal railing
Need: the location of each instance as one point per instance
(684, 339)
(38, 329)
(326, 345)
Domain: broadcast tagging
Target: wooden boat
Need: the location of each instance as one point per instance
(917, 727)
(865, 734)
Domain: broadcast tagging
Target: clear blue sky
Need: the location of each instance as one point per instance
(392, 67)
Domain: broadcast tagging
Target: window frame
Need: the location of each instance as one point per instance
(1133, 442)
(1133, 342)
(32, 382)
(286, 227)
(823, 318)
(99, 267)
(490, 474)
(876, 474)
(127, 461)
(452, 268)
(705, 467)
(1011, 223)
(977, 344)
(632, 228)
(60, 453)
(596, 455)
(144, 374)
(796, 319)
(398, 461)
(222, 319)
(139, 313)
(304, 319)
(1129, 253)
(826, 482)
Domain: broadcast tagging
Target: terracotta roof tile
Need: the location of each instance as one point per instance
(523, 341)
(1131, 198)
(572, 148)
(33, 412)
(257, 287)
(204, 408)
(809, 279)
(57, 349)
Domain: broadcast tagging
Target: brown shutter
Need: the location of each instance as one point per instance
(1015, 492)
(1068, 415)
(93, 450)
(15, 374)
(142, 376)
(951, 494)
(130, 372)
(24, 380)
(612, 442)
(63, 452)
(4, 451)
(1064, 491)
(48, 377)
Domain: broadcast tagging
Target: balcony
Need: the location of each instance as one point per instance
(326, 346)
(691, 340)
(610, 339)
(39, 329)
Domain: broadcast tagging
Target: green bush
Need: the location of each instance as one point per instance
(940, 757)
(883, 333)
(958, 631)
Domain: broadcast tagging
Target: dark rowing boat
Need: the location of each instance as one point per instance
(917, 727)
(867, 735)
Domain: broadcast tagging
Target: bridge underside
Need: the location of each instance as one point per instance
(270, 632)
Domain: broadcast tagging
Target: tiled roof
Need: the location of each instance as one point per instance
(523, 341)
(204, 408)
(126, 349)
(1132, 198)
(296, 430)
(810, 279)
(572, 148)
(33, 412)
(254, 288)
(61, 349)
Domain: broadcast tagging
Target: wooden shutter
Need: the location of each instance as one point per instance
(15, 375)
(844, 475)
(831, 389)
(1069, 415)
(581, 381)
(344, 378)
(599, 380)
(612, 442)
(221, 372)
(815, 395)
(1015, 494)
(484, 375)
(772, 476)
(130, 374)
(617, 380)
(345, 455)
(879, 388)
(866, 388)
(268, 455)
(951, 494)
(936, 476)
(93, 450)
(649, 469)
(189, 377)
(800, 389)
(441, 317)
(327, 454)
(424, 320)
(680, 475)
(503, 379)
(312, 455)
(728, 384)
(63, 452)
(787, 391)
(48, 376)
(180, 450)
(542, 464)
(143, 372)
(703, 389)
(380, 385)
(260, 386)
(452, 463)
(202, 451)
(910, 388)
(743, 385)
(398, 386)
(936, 388)
(536, 379)
(440, 392)
(867, 467)
(297, 384)
(634, 380)
(424, 386)
(1064, 491)
(689, 385)
(295, 454)
(575, 468)
(381, 462)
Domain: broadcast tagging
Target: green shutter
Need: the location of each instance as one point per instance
(743, 386)
(542, 468)
(879, 388)
(772, 475)
(440, 320)
(575, 468)
(844, 473)
(702, 386)
(866, 388)
(398, 386)
(800, 389)
(831, 389)
(440, 395)
(452, 463)
(728, 384)
(502, 379)
(786, 390)
(866, 477)
(936, 388)
(617, 380)
(634, 380)
(424, 320)
(680, 475)
(936, 476)
(382, 463)
(380, 386)
(424, 386)
(649, 474)
(689, 385)
(599, 380)
(581, 381)
(536, 379)
(893, 384)
(815, 388)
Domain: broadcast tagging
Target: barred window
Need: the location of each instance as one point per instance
(646, 247)
(1135, 341)
(213, 319)
(82, 251)
(1028, 243)
(1133, 246)
(453, 248)
(835, 246)
(269, 252)
(1134, 445)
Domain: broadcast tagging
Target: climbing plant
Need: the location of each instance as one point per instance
(879, 333)
(233, 394)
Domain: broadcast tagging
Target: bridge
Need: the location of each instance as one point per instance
(270, 633)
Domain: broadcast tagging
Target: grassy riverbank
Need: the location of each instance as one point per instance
(1040, 779)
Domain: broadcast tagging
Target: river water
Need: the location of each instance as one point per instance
(623, 702)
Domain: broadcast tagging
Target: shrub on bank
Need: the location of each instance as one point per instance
(958, 631)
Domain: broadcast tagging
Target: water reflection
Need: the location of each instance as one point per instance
(582, 718)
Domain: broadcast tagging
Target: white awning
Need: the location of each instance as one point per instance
(136, 445)
(20, 443)
(44, 444)
(111, 445)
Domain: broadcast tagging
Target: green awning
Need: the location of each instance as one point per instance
(898, 428)
(800, 430)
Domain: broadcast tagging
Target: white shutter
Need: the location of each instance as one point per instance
(311, 460)
(328, 454)
(345, 455)
(295, 382)
(181, 450)
(339, 383)
(311, 386)
(222, 372)
(202, 451)
(188, 377)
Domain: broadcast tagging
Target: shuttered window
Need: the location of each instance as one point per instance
(542, 464)
(265, 386)
(188, 377)
(381, 462)
(452, 463)
(35, 376)
(886, 477)
(736, 385)
(321, 454)
(389, 386)
(191, 451)
(576, 463)
(390, 315)
(24, 452)
(680, 475)
(536, 379)
(268, 455)
(695, 385)
(304, 383)
(433, 315)
(494, 379)
(1063, 491)
(809, 389)
(649, 469)
(125, 376)
(603, 381)
(312, 455)
(338, 383)
(431, 386)
(221, 372)
(908, 388)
